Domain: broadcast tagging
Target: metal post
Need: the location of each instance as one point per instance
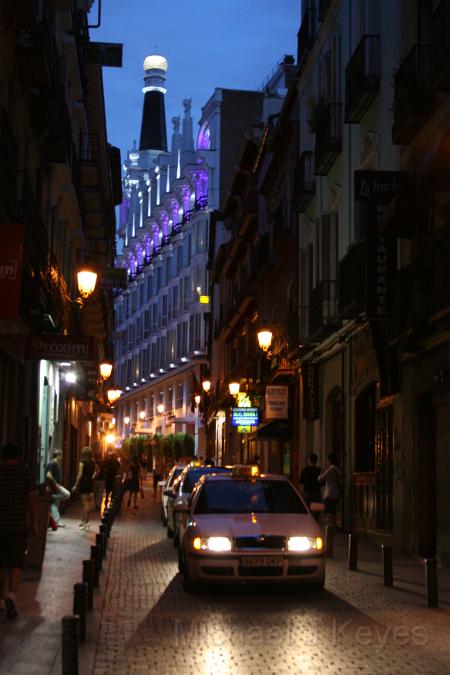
(79, 608)
(431, 581)
(69, 645)
(105, 522)
(88, 578)
(104, 531)
(329, 532)
(100, 542)
(352, 552)
(97, 558)
(386, 555)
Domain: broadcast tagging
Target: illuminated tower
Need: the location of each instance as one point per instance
(153, 128)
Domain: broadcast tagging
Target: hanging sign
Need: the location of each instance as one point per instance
(276, 403)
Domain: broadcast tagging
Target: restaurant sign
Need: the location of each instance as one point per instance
(60, 347)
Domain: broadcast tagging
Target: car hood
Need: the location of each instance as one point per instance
(255, 525)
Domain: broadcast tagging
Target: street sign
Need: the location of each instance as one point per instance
(104, 53)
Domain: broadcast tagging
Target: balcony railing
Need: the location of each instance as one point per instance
(352, 281)
(328, 138)
(187, 215)
(323, 309)
(260, 256)
(306, 35)
(413, 94)
(201, 203)
(362, 78)
(8, 166)
(324, 6)
(304, 181)
(441, 47)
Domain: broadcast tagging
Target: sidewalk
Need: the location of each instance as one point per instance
(32, 642)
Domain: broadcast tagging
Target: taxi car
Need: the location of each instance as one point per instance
(181, 490)
(248, 527)
(167, 484)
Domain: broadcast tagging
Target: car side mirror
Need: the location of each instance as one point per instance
(316, 507)
(168, 492)
(181, 508)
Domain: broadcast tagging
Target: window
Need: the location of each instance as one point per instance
(169, 398)
(146, 323)
(164, 310)
(141, 295)
(186, 292)
(168, 269)
(153, 355)
(187, 250)
(158, 279)
(175, 301)
(179, 259)
(180, 395)
(150, 286)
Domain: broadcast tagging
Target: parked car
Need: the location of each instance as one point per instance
(180, 492)
(245, 527)
(173, 475)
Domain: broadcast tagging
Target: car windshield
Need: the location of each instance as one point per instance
(245, 496)
(193, 475)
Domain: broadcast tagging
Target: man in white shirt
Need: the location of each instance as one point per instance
(331, 477)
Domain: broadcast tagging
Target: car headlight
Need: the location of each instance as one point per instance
(215, 544)
(299, 544)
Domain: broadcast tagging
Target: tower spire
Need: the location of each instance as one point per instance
(153, 127)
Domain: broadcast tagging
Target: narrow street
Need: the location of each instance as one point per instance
(144, 622)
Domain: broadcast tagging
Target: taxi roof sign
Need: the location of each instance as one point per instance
(246, 471)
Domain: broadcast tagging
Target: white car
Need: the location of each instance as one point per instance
(167, 484)
(245, 527)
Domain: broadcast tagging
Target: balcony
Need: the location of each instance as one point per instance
(8, 167)
(352, 281)
(328, 138)
(306, 35)
(165, 240)
(260, 257)
(324, 6)
(441, 47)
(282, 222)
(362, 78)
(187, 215)
(413, 94)
(201, 203)
(323, 309)
(36, 57)
(304, 181)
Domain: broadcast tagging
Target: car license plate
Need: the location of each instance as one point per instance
(262, 561)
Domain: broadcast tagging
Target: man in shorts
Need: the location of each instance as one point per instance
(17, 523)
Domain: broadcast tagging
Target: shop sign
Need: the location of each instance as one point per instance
(103, 53)
(244, 417)
(60, 348)
(11, 252)
(310, 378)
(276, 403)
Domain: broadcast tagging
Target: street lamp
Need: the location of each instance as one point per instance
(126, 420)
(160, 408)
(106, 367)
(113, 395)
(206, 384)
(233, 388)
(265, 336)
(142, 415)
(197, 399)
(86, 279)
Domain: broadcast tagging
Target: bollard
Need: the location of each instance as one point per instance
(352, 552)
(100, 542)
(329, 532)
(69, 645)
(105, 522)
(79, 608)
(431, 581)
(96, 558)
(104, 531)
(88, 578)
(386, 555)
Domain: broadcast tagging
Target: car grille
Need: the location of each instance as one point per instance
(218, 571)
(260, 571)
(262, 542)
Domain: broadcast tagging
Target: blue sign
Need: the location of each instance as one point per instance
(245, 417)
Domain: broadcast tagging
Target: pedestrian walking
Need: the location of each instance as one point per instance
(331, 478)
(85, 485)
(17, 524)
(309, 479)
(158, 471)
(58, 492)
(132, 482)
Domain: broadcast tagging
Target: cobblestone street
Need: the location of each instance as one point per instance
(149, 624)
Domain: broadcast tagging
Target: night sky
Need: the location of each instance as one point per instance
(208, 44)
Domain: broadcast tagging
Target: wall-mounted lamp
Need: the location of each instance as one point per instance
(265, 336)
(233, 388)
(197, 399)
(113, 395)
(105, 369)
(142, 415)
(87, 279)
(160, 408)
(206, 384)
(126, 420)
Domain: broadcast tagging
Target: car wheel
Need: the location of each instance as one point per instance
(169, 532)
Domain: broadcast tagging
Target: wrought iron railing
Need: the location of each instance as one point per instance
(328, 138)
(441, 47)
(362, 78)
(304, 181)
(323, 307)
(352, 281)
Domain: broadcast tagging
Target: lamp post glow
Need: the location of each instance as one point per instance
(142, 415)
(113, 395)
(87, 280)
(105, 369)
(126, 420)
(206, 384)
(265, 339)
(197, 399)
(234, 388)
(160, 408)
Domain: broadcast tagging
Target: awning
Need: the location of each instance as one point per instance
(275, 429)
